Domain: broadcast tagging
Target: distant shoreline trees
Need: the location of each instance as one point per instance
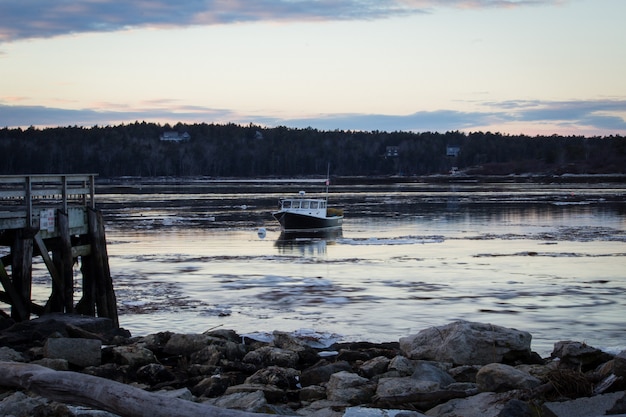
(230, 150)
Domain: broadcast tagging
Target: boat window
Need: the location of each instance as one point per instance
(322, 204)
(287, 204)
(314, 204)
(305, 204)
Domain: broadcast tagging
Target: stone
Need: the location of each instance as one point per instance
(312, 393)
(78, 352)
(464, 373)
(269, 355)
(467, 343)
(379, 412)
(485, 404)
(154, 373)
(402, 365)
(132, 355)
(426, 371)
(185, 344)
(56, 364)
(498, 377)
(373, 367)
(272, 393)
(283, 378)
(619, 364)
(403, 386)
(350, 388)
(320, 373)
(10, 355)
(582, 407)
(244, 401)
(579, 356)
(19, 404)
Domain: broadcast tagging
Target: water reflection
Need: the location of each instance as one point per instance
(313, 242)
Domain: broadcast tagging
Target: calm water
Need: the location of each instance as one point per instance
(548, 259)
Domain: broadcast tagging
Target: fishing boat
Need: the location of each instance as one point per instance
(301, 214)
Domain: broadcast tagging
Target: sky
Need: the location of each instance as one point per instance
(533, 67)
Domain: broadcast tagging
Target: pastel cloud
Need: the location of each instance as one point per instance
(600, 116)
(23, 19)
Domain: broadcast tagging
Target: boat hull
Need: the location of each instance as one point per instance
(301, 222)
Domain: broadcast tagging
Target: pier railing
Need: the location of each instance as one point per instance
(22, 196)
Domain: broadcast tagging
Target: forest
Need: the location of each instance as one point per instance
(230, 150)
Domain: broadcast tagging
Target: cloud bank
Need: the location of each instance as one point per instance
(562, 117)
(24, 19)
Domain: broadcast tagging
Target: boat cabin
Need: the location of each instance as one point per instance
(302, 203)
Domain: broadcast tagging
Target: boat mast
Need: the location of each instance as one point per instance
(327, 182)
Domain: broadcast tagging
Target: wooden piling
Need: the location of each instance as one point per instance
(42, 215)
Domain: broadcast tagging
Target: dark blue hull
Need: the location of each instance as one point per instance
(297, 222)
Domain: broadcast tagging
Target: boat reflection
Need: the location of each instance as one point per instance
(310, 242)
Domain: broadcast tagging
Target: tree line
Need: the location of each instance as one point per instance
(230, 150)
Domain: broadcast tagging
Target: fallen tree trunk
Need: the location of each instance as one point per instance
(103, 394)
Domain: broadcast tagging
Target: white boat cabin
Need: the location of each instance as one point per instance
(305, 206)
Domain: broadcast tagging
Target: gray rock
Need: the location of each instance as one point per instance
(321, 373)
(582, 407)
(79, 352)
(185, 344)
(269, 355)
(379, 412)
(350, 388)
(324, 408)
(464, 373)
(132, 355)
(10, 355)
(402, 365)
(19, 404)
(244, 401)
(56, 364)
(375, 366)
(579, 356)
(485, 404)
(426, 371)
(403, 386)
(619, 364)
(272, 393)
(283, 378)
(312, 393)
(154, 373)
(467, 343)
(516, 408)
(498, 377)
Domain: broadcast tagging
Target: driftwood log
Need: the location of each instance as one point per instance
(103, 394)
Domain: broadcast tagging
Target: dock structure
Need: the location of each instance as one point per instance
(54, 217)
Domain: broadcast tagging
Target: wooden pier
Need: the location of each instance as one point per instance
(54, 217)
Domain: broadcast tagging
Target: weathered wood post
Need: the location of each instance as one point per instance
(22, 271)
(62, 299)
(98, 276)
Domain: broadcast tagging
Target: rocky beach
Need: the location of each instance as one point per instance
(67, 365)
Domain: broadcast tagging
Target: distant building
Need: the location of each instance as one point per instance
(175, 136)
(392, 152)
(452, 150)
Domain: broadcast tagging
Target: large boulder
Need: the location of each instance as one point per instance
(350, 388)
(498, 377)
(78, 352)
(468, 343)
(579, 356)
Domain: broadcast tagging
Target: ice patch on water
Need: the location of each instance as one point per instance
(402, 240)
(311, 338)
